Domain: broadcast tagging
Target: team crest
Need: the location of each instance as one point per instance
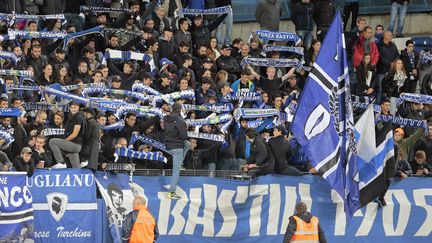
(57, 203)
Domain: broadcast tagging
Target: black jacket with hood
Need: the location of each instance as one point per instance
(175, 131)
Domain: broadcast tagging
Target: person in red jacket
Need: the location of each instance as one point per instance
(365, 45)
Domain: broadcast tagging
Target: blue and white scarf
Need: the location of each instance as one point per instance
(9, 138)
(10, 56)
(416, 98)
(67, 38)
(249, 113)
(78, 86)
(95, 9)
(257, 123)
(47, 132)
(218, 108)
(129, 153)
(403, 121)
(297, 50)
(364, 106)
(277, 36)
(209, 11)
(209, 121)
(154, 143)
(207, 136)
(108, 31)
(116, 126)
(22, 87)
(64, 95)
(185, 94)
(270, 62)
(140, 111)
(245, 96)
(9, 17)
(425, 57)
(11, 72)
(43, 106)
(36, 34)
(127, 55)
(106, 105)
(11, 112)
(138, 87)
(127, 93)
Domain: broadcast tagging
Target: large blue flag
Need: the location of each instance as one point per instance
(324, 124)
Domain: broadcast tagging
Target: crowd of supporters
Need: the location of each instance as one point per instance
(191, 53)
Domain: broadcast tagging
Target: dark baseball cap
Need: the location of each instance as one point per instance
(207, 60)
(116, 78)
(147, 76)
(167, 28)
(226, 46)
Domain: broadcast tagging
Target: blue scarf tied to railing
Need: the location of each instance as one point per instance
(416, 98)
(129, 153)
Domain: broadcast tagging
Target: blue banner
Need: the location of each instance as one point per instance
(215, 210)
(64, 205)
(16, 211)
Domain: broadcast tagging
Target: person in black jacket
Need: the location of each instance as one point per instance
(366, 77)
(166, 44)
(302, 16)
(90, 150)
(25, 162)
(20, 134)
(325, 11)
(228, 63)
(396, 81)
(281, 150)
(41, 156)
(410, 59)
(175, 139)
(201, 33)
(261, 161)
(388, 53)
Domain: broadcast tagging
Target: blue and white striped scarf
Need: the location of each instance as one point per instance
(209, 121)
(416, 98)
(47, 132)
(9, 138)
(11, 72)
(249, 113)
(297, 50)
(270, 62)
(154, 143)
(106, 105)
(245, 96)
(185, 94)
(64, 95)
(10, 56)
(209, 11)
(118, 125)
(425, 57)
(135, 95)
(129, 153)
(9, 17)
(36, 34)
(207, 136)
(140, 111)
(22, 87)
(95, 9)
(218, 108)
(43, 106)
(138, 87)
(278, 36)
(403, 121)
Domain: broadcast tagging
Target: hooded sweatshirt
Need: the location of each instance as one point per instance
(175, 132)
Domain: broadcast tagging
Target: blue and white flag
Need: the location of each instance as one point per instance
(126, 55)
(16, 210)
(324, 117)
(64, 203)
(277, 36)
(375, 151)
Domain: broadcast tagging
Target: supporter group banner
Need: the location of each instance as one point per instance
(216, 210)
(117, 194)
(16, 212)
(64, 203)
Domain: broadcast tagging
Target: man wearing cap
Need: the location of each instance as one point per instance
(25, 162)
(228, 63)
(164, 85)
(281, 150)
(166, 44)
(406, 144)
(175, 139)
